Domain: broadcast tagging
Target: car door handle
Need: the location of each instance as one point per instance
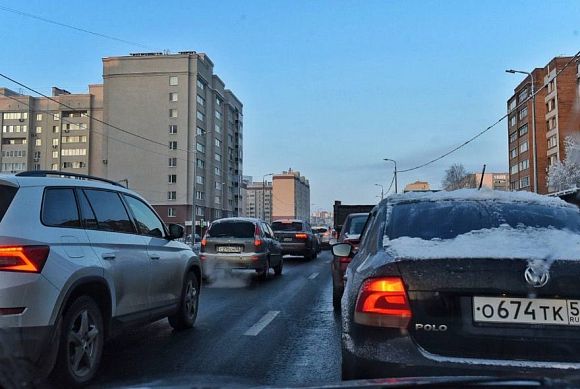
(155, 256)
(108, 256)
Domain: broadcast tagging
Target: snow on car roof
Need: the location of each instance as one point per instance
(480, 195)
(502, 242)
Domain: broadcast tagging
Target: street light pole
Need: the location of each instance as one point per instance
(395, 162)
(382, 191)
(264, 195)
(534, 144)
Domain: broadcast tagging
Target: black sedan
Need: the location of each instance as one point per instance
(468, 283)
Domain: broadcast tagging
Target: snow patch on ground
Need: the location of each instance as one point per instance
(546, 244)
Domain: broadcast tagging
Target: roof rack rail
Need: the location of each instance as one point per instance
(47, 173)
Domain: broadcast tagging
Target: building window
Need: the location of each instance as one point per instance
(15, 115)
(199, 211)
(218, 128)
(173, 145)
(200, 148)
(199, 195)
(514, 185)
(73, 152)
(524, 147)
(513, 153)
(551, 105)
(512, 120)
(200, 84)
(170, 212)
(38, 130)
(551, 123)
(552, 141)
(525, 182)
(38, 142)
(54, 166)
(552, 159)
(218, 185)
(172, 178)
(217, 170)
(218, 157)
(173, 129)
(200, 116)
(523, 95)
(200, 131)
(173, 113)
(512, 105)
(200, 163)
(55, 142)
(513, 136)
(173, 96)
(218, 115)
(523, 130)
(524, 164)
(200, 180)
(514, 169)
(55, 154)
(217, 199)
(55, 129)
(523, 113)
(173, 80)
(38, 116)
(172, 195)
(172, 162)
(218, 143)
(56, 116)
(550, 86)
(200, 100)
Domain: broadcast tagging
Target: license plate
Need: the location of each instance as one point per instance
(229, 249)
(287, 239)
(526, 311)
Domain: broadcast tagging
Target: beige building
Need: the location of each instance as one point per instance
(495, 181)
(40, 134)
(290, 196)
(417, 186)
(196, 124)
(258, 200)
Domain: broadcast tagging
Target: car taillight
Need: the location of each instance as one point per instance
(383, 302)
(326, 233)
(29, 259)
(301, 236)
(257, 236)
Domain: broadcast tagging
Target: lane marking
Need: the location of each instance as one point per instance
(329, 261)
(313, 276)
(262, 323)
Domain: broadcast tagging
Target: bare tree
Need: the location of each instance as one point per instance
(566, 175)
(456, 177)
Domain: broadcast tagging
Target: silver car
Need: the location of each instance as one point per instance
(81, 259)
(241, 243)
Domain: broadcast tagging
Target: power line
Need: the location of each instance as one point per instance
(98, 34)
(491, 126)
(391, 185)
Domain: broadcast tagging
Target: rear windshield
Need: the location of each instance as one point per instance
(231, 229)
(319, 230)
(448, 219)
(290, 226)
(356, 224)
(6, 195)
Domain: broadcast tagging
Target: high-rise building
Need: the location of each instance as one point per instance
(59, 133)
(258, 200)
(556, 117)
(290, 196)
(196, 126)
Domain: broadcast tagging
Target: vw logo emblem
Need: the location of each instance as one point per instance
(536, 277)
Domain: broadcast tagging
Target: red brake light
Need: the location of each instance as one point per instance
(29, 259)
(203, 242)
(383, 302)
(257, 236)
(301, 236)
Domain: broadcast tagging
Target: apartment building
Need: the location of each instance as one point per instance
(495, 181)
(194, 161)
(60, 133)
(555, 118)
(290, 196)
(258, 200)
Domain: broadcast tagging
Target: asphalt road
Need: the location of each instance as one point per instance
(280, 332)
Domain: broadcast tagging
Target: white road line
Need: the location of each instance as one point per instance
(262, 323)
(313, 276)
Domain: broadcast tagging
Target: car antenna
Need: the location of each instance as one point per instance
(481, 180)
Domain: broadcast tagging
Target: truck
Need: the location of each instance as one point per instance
(341, 211)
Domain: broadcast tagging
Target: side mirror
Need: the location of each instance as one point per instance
(342, 250)
(176, 231)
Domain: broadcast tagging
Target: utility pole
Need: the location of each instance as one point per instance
(395, 162)
(382, 191)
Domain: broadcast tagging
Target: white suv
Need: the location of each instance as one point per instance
(81, 259)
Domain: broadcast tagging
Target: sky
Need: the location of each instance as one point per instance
(329, 88)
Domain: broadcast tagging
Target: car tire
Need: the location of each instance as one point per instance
(185, 317)
(336, 297)
(81, 343)
(278, 268)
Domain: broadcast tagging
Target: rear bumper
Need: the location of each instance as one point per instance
(211, 262)
(401, 357)
(301, 248)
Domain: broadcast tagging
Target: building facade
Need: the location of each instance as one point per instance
(194, 163)
(495, 181)
(258, 200)
(59, 134)
(290, 196)
(417, 186)
(556, 116)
